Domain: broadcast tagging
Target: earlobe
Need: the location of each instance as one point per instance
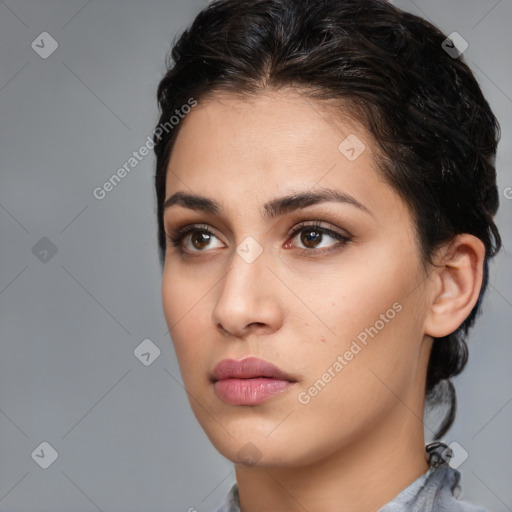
(455, 284)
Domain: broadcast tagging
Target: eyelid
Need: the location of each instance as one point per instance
(341, 239)
(178, 234)
(318, 224)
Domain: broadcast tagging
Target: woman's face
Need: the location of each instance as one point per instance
(338, 307)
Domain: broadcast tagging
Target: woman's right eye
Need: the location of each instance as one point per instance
(197, 237)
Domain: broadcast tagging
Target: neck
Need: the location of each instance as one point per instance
(362, 476)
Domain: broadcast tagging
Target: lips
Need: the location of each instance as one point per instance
(248, 368)
(249, 381)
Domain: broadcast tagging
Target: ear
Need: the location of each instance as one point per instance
(455, 284)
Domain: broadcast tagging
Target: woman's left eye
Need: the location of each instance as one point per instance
(312, 237)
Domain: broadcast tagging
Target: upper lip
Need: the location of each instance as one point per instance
(248, 368)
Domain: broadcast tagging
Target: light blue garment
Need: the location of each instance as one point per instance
(436, 490)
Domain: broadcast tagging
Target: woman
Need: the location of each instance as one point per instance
(325, 194)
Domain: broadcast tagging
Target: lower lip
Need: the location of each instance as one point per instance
(249, 391)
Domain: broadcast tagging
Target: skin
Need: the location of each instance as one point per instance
(360, 440)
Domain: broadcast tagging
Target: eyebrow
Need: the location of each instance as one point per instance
(271, 209)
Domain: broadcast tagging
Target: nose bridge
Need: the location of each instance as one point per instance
(244, 295)
(247, 267)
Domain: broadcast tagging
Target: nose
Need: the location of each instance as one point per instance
(248, 300)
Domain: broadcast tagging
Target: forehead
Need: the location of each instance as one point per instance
(292, 116)
(245, 150)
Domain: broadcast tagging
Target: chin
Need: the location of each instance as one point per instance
(254, 447)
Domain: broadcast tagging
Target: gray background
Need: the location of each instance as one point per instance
(125, 437)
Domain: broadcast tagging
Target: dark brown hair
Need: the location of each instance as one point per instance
(386, 68)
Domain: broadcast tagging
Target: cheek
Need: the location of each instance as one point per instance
(376, 319)
(360, 293)
(182, 306)
(173, 302)
(352, 385)
(184, 295)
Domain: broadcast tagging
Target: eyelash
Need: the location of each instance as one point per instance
(176, 237)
